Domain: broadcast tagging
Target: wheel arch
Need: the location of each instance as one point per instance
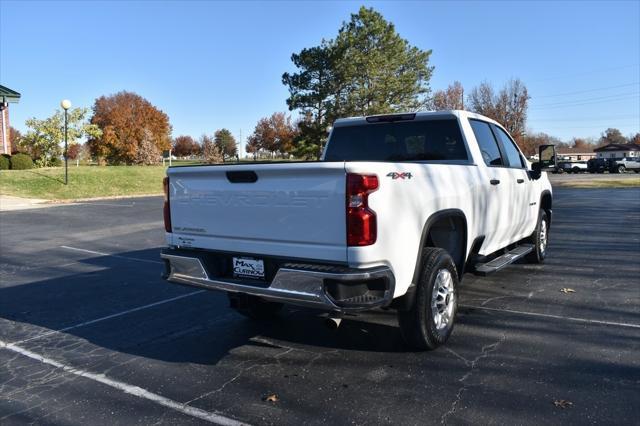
(458, 217)
(456, 248)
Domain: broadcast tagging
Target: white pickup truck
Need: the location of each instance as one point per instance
(399, 207)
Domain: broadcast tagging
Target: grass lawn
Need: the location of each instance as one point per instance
(601, 183)
(87, 181)
(84, 182)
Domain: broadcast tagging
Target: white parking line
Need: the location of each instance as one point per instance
(127, 388)
(535, 314)
(99, 253)
(108, 317)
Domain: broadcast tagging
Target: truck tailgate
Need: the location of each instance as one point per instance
(295, 210)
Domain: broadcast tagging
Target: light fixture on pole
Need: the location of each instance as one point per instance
(65, 104)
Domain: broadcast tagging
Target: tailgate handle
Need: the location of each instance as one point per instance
(242, 176)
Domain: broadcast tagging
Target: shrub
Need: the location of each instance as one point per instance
(55, 162)
(21, 162)
(5, 161)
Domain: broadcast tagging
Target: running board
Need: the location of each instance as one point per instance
(506, 259)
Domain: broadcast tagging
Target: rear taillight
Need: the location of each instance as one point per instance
(166, 210)
(361, 220)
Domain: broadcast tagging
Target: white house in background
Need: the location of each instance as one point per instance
(618, 150)
(575, 154)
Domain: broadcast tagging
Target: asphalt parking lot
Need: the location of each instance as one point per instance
(90, 334)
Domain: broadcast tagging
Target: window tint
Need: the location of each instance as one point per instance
(426, 140)
(513, 155)
(487, 143)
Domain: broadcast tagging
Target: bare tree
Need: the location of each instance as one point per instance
(508, 107)
(210, 150)
(148, 152)
(450, 98)
(482, 99)
(612, 135)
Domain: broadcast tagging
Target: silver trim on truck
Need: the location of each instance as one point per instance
(294, 286)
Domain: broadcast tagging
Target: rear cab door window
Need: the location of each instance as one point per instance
(512, 153)
(487, 143)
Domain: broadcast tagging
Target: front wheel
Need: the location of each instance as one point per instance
(539, 239)
(621, 169)
(429, 322)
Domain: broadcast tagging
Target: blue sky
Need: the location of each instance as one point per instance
(210, 65)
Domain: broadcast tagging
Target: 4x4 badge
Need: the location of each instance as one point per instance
(396, 175)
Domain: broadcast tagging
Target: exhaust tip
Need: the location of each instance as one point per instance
(333, 323)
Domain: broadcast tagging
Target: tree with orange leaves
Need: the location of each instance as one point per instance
(129, 124)
(274, 134)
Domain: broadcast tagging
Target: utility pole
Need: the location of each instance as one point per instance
(515, 112)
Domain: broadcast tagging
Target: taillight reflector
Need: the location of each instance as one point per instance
(362, 226)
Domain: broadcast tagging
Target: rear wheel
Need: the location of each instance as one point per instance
(254, 307)
(539, 239)
(429, 322)
(621, 169)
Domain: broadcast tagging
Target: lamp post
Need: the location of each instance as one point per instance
(65, 104)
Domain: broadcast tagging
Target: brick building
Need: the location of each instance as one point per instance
(7, 96)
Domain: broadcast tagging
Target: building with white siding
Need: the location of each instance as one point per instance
(618, 150)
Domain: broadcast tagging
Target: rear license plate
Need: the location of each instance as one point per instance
(245, 267)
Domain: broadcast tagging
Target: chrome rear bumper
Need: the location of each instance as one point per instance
(290, 285)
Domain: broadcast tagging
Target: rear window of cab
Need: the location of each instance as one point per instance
(422, 140)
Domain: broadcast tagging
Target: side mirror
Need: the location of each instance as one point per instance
(547, 156)
(546, 160)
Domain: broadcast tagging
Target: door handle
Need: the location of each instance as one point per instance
(520, 180)
(494, 182)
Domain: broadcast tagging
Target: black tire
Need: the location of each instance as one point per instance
(636, 171)
(621, 168)
(418, 324)
(576, 170)
(541, 232)
(254, 307)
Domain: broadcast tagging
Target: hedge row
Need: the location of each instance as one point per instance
(15, 162)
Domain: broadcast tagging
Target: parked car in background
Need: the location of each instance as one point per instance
(624, 164)
(598, 165)
(572, 167)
